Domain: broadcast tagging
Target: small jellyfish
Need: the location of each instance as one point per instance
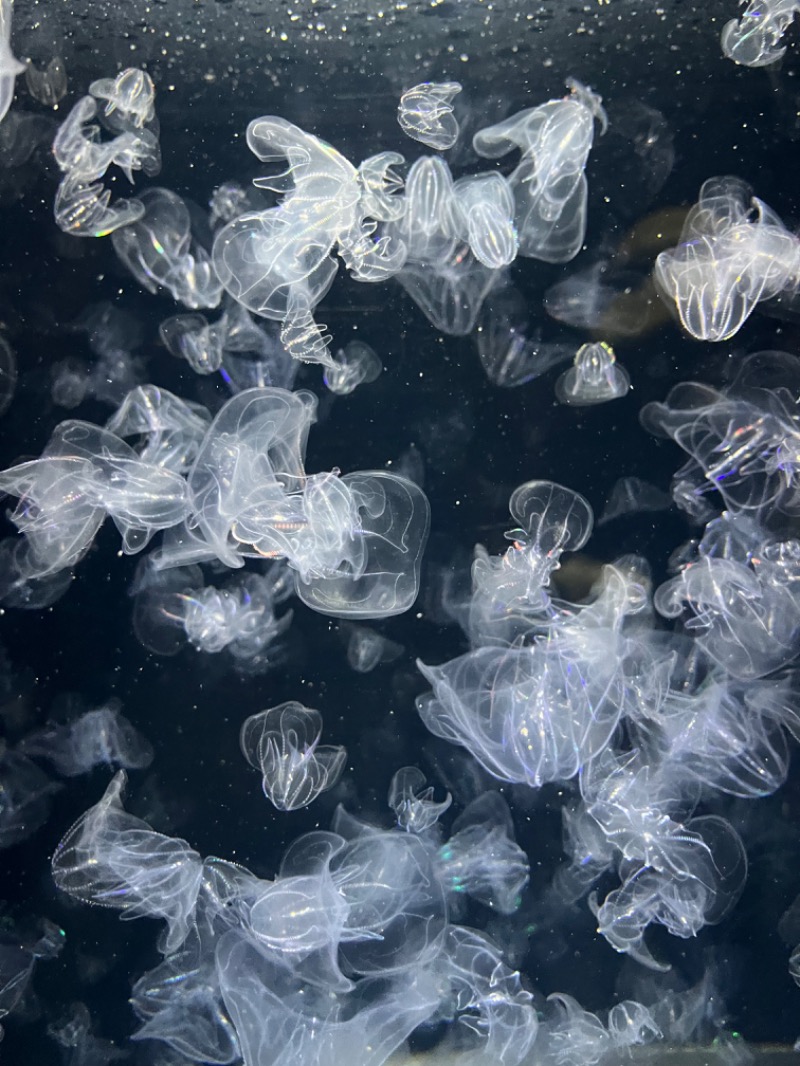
(355, 364)
(159, 249)
(413, 802)
(228, 201)
(48, 84)
(195, 339)
(756, 39)
(595, 377)
(631, 495)
(367, 649)
(73, 1033)
(549, 183)
(510, 352)
(482, 214)
(426, 114)
(130, 99)
(21, 947)
(27, 796)
(734, 253)
(283, 742)
(100, 737)
(82, 204)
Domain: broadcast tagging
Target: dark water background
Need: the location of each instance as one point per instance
(477, 441)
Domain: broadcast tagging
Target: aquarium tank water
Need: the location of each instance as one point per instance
(400, 550)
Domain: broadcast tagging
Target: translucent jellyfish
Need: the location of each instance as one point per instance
(422, 227)
(24, 589)
(739, 446)
(386, 529)
(324, 892)
(85, 474)
(482, 213)
(483, 697)
(82, 205)
(632, 800)
(549, 182)
(381, 186)
(632, 495)
(108, 328)
(355, 541)
(10, 68)
(568, 1032)
(103, 737)
(533, 714)
(732, 736)
(21, 134)
(481, 859)
(356, 364)
(369, 257)
(175, 606)
(303, 914)
(304, 338)
(511, 590)
(413, 803)
(70, 383)
(307, 914)
(734, 252)
(159, 250)
(596, 377)
(683, 905)
(367, 648)
(265, 1000)
(739, 591)
(515, 359)
(130, 98)
(20, 950)
(73, 1033)
(487, 1000)
(682, 875)
(113, 335)
(510, 352)
(256, 436)
(228, 201)
(581, 299)
(540, 710)
(604, 299)
(754, 39)
(426, 113)
(398, 912)
(268, 259)
(193, 338)
(440, 272)
(253, 355)
(240, 619)
(169, 430)
(590, 852)
(283, 743)
(179, 1003)
(107, 381)
(27, 795)
(113, 859)
(48, 85)
(449, 290)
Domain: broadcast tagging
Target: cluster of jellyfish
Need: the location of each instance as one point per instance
(656, 703)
